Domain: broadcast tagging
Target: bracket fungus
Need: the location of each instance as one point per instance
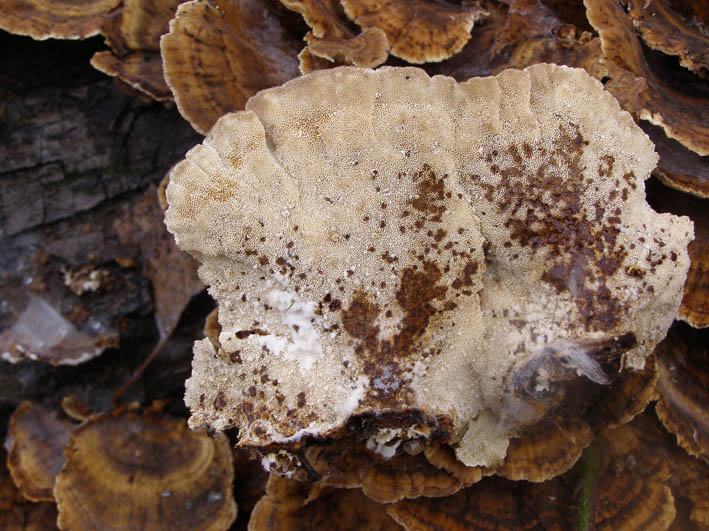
(439, 255)
(149, 471)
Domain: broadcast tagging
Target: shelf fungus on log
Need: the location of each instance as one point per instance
(647, 82)
(439, 255)
(683, 404)
(218, 54)
(331, 42)
(56, 19)
(35, 444)
(417, 31)
(149, 471)
(133, 34)
(290, 505)
(673, 32)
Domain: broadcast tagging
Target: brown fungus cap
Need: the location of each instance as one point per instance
(331, 41)
(683, 405)
(362, 270)
(290, 505)
(58, 19)
(133, 34)
(645, 82)
(664, 28)
(35, 444)
(146, 471)
(695, 299)
(679, 167)
(219, 53)
(417, 31)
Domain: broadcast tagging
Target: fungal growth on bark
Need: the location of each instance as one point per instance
(436, 258)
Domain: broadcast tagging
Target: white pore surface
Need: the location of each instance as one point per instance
(382, 241)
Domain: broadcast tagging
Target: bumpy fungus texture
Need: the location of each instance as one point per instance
(644, 82)
(144, 472)
(418, 31)
(133, 34)
(219, 53)
(35, 444)
(360, 230)
(58, 19)
(666, 29)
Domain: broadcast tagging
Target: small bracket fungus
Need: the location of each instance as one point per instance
(218, 53)
(129, 471)
(418, 31)
(35, 445)
(382, 242)
(58, 19)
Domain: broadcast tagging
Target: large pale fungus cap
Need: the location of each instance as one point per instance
(219, 53)
(418, 31)
(58, 19)
(129, 471)
(35, 446)
(446, 253)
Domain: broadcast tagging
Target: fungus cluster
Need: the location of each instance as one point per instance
(440, 259)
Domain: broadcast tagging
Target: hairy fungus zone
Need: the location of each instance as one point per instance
(387, 245)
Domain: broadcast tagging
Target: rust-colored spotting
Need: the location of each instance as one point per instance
(35, 443)
(646, 83)
(290, 505)
(683, 405)
(418, 31)
(133, 34)
(664, 28)
(219, 53)
(149, 471)
(695, 299)
(56, 19)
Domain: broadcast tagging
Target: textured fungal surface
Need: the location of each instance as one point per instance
(435, 254)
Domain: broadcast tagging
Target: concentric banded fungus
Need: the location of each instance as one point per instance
(672, 32)
(144, 472)
(59, 19)
(678, 102)
(133, 33)
(360, 228)
(35, 445)
(683, 405)
(289, 505)
(219, 53)
(417, 31)
(331, 42)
